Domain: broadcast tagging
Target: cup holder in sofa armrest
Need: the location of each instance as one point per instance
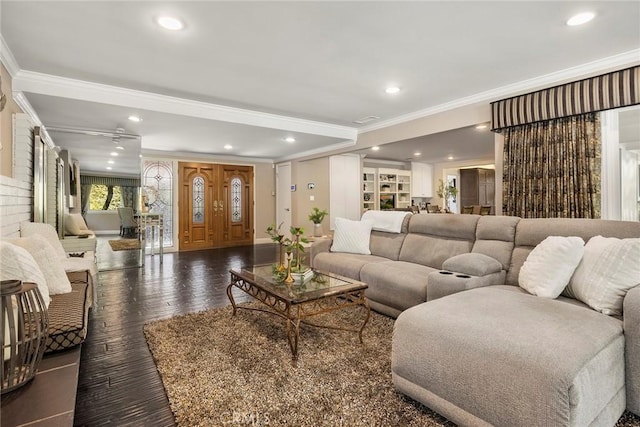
(451, 273)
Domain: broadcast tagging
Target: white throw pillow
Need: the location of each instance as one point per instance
(18, 264)
(79, 220)
(52, 268)
(74, 225)
(352, 236)
(28, 229)
(609, 268)
(549, 266)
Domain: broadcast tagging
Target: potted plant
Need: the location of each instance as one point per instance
(316, 217)
(445, 192)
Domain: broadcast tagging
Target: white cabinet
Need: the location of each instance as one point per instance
(344, 194)
(421, 180)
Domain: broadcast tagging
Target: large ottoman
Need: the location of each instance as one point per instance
(499, 356)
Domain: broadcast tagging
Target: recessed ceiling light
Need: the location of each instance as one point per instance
(376, 148)
(580, 18)
(135, 119)
(450, 158)
(108, 168)
(111, 162)
(392, 89)
(170, 23)
(113, 153)
(119, 147)
(482, 126)
(290, 139)
(417, 153)
(228, 147)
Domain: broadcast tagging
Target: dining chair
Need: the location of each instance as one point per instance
(467, 209)
(485, 210)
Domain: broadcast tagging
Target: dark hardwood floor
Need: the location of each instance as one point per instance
(119, 384)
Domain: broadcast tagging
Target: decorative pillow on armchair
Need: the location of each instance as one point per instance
(609, 268)
(352, 236)
(548, 268)
(74, 225)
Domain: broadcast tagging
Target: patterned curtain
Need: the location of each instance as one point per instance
(552, 168)
(129, 197)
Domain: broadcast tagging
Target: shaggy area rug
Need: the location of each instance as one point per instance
(124, 244)
(223, 370)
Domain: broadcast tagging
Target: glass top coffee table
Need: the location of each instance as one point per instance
(299, 301)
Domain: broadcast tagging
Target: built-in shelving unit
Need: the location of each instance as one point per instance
(386, 188)
(368, 189)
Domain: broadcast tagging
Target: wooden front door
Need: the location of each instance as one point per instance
(237, 182)
(199, 222)
(215, 205)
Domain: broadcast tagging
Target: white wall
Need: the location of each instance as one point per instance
(103, 222)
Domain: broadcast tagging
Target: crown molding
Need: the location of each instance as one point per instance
(7, 58)
(191, 156)
(46, 84)
(620, 61)
(384, 162)
(317, 151)
(239, 160)
(26, 107)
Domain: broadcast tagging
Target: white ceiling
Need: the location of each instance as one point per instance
(314, 67)
(466, 143)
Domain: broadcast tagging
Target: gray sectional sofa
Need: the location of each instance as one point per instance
(494, 354)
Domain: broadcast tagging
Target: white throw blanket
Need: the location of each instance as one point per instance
(389, 221)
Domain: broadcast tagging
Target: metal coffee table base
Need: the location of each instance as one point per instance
(296, 313)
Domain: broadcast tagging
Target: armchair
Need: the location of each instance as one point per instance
(128, 224)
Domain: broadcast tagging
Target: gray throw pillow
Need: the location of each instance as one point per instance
(473, 264)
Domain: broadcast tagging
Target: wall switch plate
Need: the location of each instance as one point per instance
(312, 198)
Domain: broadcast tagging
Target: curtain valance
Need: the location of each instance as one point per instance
(604, 92)
(109, 180)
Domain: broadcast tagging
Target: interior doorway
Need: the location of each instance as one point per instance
(452, 181)
(215, 205)
(620, 198)
(283, 196)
